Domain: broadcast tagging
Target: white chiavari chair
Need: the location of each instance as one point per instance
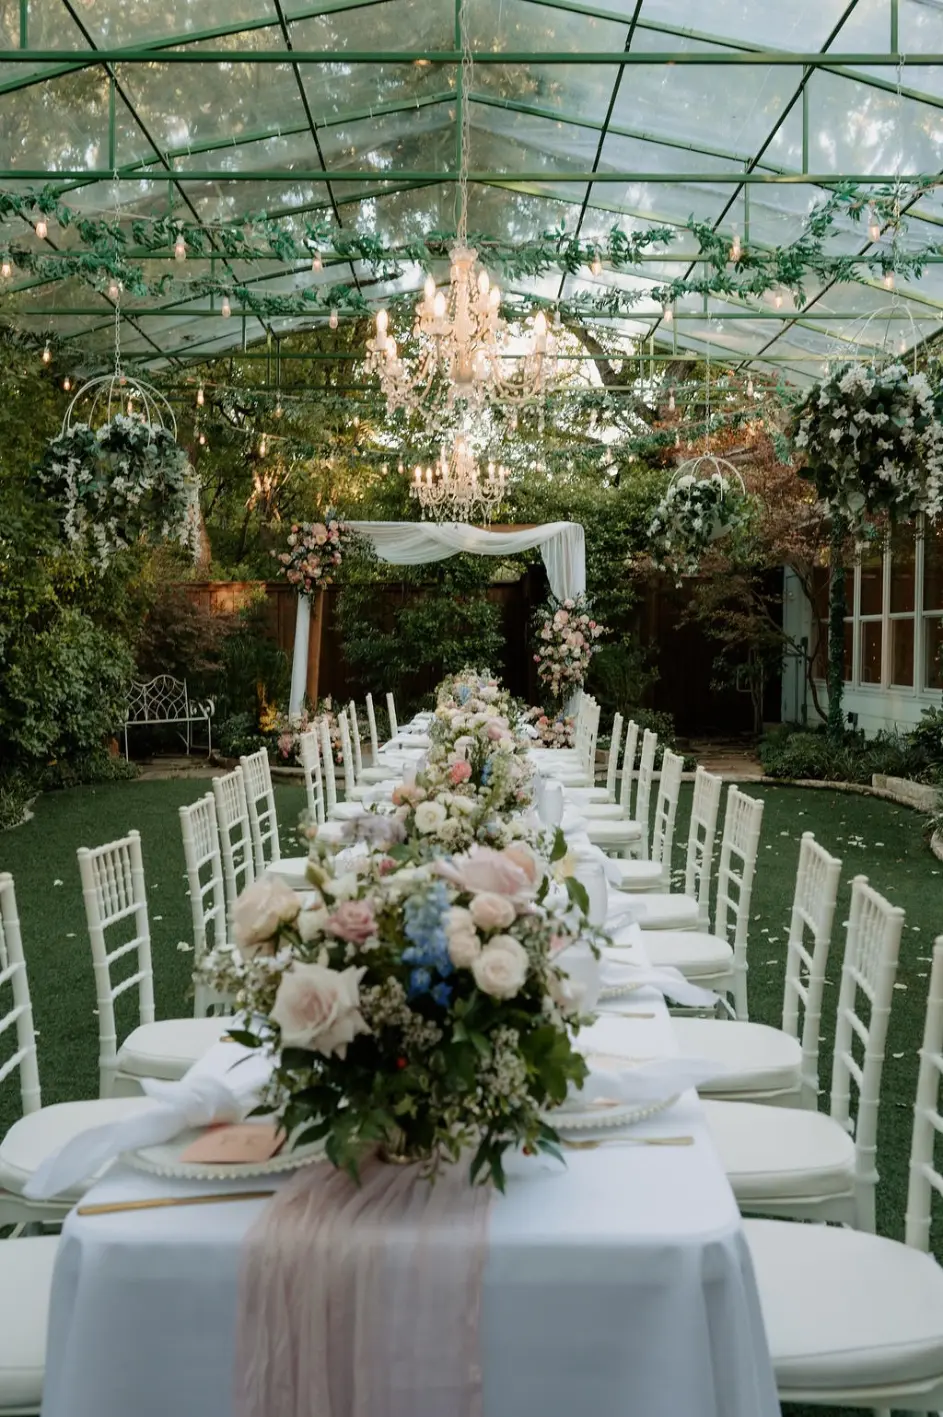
(336, 811)
(719, 960)
(378, 772)
(199, 830)
(688, 909)
(576, 767)
(115, 900)
(779, 1065)
(260, 801)
(40, 1130)
(235, 836)
(598, 802)
(800, 1162)
(853, 1319)
(310, 755)
(655, 872)
(628, 835)
(26, 1268)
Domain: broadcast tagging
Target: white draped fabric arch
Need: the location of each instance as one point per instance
(562, 546)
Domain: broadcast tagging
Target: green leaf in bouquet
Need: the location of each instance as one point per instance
(577, 893)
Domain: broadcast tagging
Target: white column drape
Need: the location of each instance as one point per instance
(562, 546)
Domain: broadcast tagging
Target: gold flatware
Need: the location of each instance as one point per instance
(617, 1014)
(164, 1202)
(626, 1141)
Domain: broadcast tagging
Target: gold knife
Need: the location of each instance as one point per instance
(161, 1202)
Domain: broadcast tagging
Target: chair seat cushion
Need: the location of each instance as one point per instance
(580, 796)
(390, 773)
(664, 910)
(760, 1059)
(37, 1135)
(613, 833)
(599, 811)
(640, 875)
(694, 952)
(780, 1153)
(845, 1310)
(168, 1048)
(25, 1285)
(344, 811)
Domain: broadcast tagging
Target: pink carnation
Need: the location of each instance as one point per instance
(459, 772)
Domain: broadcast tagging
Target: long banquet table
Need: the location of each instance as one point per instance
(619, 1284)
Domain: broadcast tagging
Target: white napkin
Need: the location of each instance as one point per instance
(652, 1081)
(670, 982)
(222, 1086)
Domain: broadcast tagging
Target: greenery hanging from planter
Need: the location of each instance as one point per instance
(121, 483)
(694, 512)
(873, 443)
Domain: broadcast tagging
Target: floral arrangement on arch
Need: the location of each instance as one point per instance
(315, 553)
(873, 443)
(419, 1009)
(693, 513)
(113, 486)
(566, 642)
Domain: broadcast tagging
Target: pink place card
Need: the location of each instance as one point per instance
(237, 1143)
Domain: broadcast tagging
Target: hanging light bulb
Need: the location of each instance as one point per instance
(6, 268)
(202, 440)
(400, 467)
(278, 409)
(200, 397)
(778, 300)
(356, 420)
(671, 401)
(316, 261)
(130, 407)
(749, 388)
(677, 440)
(114, 289)
(667, 314)
(263, 446)
(67, 383)
(736, 250)
(225, 309)
(888, 280)
(180, 248)
(42, 230)
(902, 346)
(332, 321)
(596, 267)
(47, 353)
(874, 226)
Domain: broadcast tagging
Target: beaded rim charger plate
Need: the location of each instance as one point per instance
(163, 1159)
(575, 1115)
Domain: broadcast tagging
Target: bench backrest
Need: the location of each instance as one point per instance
(162, 699)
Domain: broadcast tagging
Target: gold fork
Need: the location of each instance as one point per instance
(589, 1145)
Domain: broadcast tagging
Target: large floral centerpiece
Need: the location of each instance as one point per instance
(115, 485)
(566, 642)
(873, 443)
(693, 513)
(314, 555)
(417, 1009)
(553, 730)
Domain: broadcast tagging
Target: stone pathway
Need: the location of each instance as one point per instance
(732, 758)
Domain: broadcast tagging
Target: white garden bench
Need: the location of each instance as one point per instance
(165, 700)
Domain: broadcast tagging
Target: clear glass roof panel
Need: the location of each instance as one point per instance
(62, 123)
(503, 140)
(795, 24)
(520, 25)
(920, 26)
(136, 22)
(857, 130)
(395, 24)
(229, 201)
(581, 90)
(412, 139)
(334, 90)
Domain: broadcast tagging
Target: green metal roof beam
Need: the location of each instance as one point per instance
(408, 177)
(305, 312)
(762, 58)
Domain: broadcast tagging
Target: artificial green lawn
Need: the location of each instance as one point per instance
(873, 838)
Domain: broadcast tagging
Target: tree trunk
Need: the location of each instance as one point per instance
(836, 630)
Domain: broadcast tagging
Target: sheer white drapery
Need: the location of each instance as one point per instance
(562, 546)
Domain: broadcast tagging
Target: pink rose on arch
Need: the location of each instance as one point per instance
(352, 920)
(459, 772)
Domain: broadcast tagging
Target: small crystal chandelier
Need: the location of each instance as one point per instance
(453, 489)
(461, 336)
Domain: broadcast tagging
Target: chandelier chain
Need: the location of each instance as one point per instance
(467, 76)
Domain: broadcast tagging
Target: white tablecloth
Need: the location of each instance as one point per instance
(619, 1285)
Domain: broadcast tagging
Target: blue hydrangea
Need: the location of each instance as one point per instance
(419, 982)
(486, 772)
(464, 693)
(424, 927)
(442, 993)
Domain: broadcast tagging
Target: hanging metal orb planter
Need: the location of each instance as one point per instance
(101, 399)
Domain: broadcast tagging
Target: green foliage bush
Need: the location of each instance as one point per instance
(793, 753)
(239, 734)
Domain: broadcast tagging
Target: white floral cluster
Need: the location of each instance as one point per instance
(873, 441)
(693, 513)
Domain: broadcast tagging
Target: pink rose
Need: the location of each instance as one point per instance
(459, 772)
(319, 1008)
(259, 914)
(353, 920)
(484, 869)
(495, 732)
(406, 796)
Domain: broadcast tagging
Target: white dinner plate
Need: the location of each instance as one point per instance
(576, 1115)
(164, 1160)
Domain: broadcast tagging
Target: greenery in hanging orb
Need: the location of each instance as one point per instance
(121, 483)
(694, 512)
(873, 443)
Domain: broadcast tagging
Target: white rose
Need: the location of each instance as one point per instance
(465, 806)
(501, 968)
(260, 912)
(464, 944)
(318, 1008)
(429, 817)
(492, 912)
(343, 887)
(310, 923)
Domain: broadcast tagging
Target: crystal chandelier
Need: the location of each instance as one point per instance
(453, 490)
(460, 335)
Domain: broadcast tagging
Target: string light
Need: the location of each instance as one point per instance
(225, 309)
(67, 383)
(114, 290)
(332, 321)
(202, 440)
(180, 248)
(263, 446)
(42, 230)
(888, 280)
(6, 268)
(596, 267)
(200, 397)
(749, 388)
(47, 353)
(130, 407)
(671, 401)
(668, 314)
(736, 250)
(316, 261)
(874, 226)
(778, 300)
(278, 409)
